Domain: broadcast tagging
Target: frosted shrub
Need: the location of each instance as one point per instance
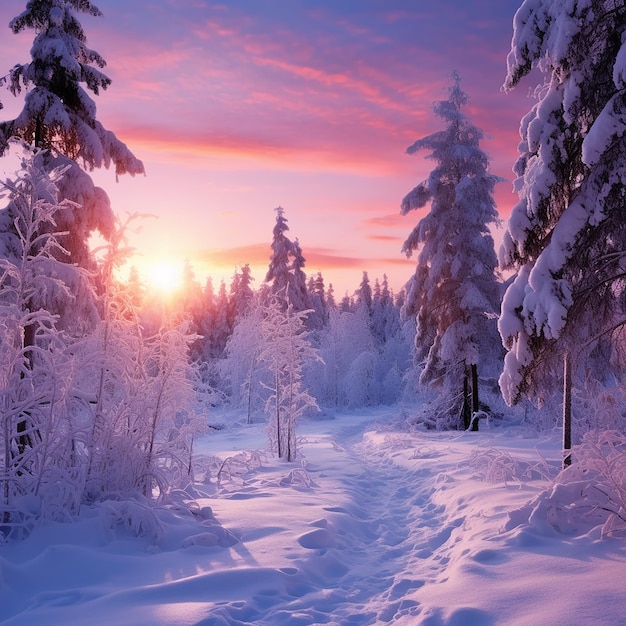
(496, 465)
(598, 408)
(130, 517)
(37, 454)
(589, 494)
(144, 396)
(233, 469)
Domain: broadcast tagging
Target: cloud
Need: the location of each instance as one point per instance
(312, 153)
(393, 220)
(385, 238)
(253, 254)
(317, 259)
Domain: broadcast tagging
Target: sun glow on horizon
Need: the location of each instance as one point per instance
(164, 276)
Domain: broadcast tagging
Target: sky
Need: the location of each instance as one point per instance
(238, 107)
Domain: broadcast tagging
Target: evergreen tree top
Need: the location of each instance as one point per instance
(58, 113)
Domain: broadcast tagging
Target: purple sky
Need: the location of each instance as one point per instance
(241, 106)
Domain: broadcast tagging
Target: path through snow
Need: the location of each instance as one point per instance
(373, 527)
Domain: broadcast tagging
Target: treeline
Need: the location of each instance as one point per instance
(364, 342)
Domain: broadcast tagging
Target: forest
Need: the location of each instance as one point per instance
(265, 450)
(105, 386)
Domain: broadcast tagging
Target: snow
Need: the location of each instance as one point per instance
(373, 525)
(608, 126)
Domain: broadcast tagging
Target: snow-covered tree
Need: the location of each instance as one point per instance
(364, 294)
(221, 322)
(347, 378)
(319, 303)
(59, 117)
(298, 294)
(330, 297)
(385, 315)
(241, 293)
(285, 350)
(241, 367)
(567, 234)
(58, 113)
(286, 268)
(454, 288)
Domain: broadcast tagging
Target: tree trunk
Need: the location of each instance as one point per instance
(474, 371)
(467, 414)
(567, 411)
(249, 416)
(23, 432)
(279, 449)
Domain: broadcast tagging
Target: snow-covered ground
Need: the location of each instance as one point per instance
(373, 526)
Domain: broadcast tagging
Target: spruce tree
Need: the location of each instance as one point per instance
(567, 234)
(285, 273)
(241, 293)
(59, 117)
(454, 287)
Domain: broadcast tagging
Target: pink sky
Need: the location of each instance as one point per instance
(241, 106)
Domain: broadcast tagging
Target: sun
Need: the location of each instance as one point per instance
(164, 276)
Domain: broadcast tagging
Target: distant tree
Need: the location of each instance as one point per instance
(454, 287)
(298, 295)
(241, 367)
(330, 297)
(566, 236)
(221, 322)
(364, 294)
(286, 268)
(392, 339)
(202, 349)
(346, 304)
(347, 377)
(191, 303)
(385, 315)
(241, 293)
(318, 299)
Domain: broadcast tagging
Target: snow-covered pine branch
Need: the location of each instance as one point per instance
(571, 181)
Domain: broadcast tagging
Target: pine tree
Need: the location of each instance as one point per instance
(241, 293)
(221, 323)
(280, 261)
(567, 234)
(364, 294)
(330, 297)
(58, 113)
(286, 269)
(454, 286)
(318, 318)
(59, 117)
